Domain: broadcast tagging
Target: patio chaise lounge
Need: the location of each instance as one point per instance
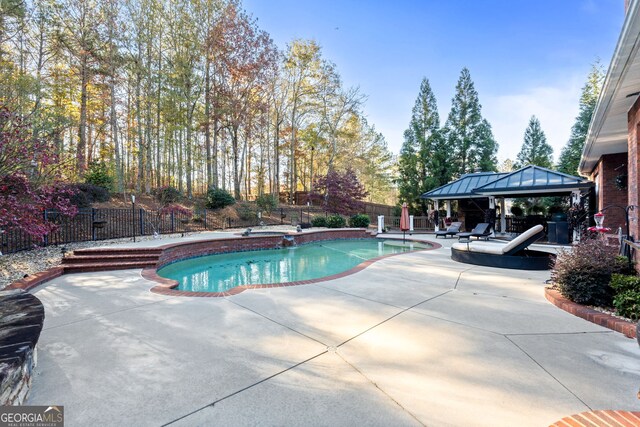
(482, 230)
(512, 255)
(452, 230)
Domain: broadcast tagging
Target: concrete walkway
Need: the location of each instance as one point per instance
(415, 339)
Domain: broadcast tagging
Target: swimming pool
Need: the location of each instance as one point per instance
(221, 272)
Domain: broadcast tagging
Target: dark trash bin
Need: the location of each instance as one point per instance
(558, 232)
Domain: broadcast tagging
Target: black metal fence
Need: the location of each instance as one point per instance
(103, 224)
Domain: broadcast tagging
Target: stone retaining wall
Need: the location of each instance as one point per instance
(21, 320)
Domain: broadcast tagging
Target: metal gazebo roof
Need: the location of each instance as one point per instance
(521, 183)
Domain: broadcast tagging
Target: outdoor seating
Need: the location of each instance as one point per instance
(482, 230)
(452, 230)
(512, 255)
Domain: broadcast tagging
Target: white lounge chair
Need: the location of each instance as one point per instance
(512, 255)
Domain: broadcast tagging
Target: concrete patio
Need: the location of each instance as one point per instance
(415, 339)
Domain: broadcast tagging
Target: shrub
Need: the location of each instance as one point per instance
(336, 221)
(516, 211)
(583, 274)
(245, 212)
(86, 194)
(359, 221)
(80, 199)
(319, 221)
(218, 198)
(168, 195)
(98, 174)
(267, 202)
(627, 295)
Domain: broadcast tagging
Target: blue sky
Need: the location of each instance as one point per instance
(525, 57)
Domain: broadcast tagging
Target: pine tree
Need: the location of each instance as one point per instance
(488, 147)
(421, 140)
(535, 150)
(572, 151)
(469, 136)
(408, 171)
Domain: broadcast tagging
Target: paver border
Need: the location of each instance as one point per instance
(594, 316)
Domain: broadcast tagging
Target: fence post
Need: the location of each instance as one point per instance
(205, 219)
(173, 222)
(93, 220)
(141, 222)
(45, 241)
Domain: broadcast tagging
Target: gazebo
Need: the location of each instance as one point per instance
(481, 189)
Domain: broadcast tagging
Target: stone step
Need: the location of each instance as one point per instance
(123, 251)
(105, 266)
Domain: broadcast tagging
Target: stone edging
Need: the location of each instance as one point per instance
(167, 286)
(37, 279)
(619, 325)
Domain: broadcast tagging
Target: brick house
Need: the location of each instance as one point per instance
(611, 158)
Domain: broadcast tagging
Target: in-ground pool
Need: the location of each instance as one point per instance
(221, 272)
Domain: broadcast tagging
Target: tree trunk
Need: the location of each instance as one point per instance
(139, 128)
(207, 120)
(81, 161)
(234, 153)
(292, 164)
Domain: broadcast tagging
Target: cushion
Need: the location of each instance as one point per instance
(521, 238)
(482, 247)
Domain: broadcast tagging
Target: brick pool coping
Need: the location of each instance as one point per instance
(173, 252)
(607, 418)
(594, 316)
(167, 286)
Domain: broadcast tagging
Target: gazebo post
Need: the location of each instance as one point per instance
(436, 207)
(503, 216)
(447, 203)
(492, 205)
(575, 199)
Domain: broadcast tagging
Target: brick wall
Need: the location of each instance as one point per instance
(633, 122)
(180, 251)
(604, 175)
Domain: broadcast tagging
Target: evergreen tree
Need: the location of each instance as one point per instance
(535, 150)
(488, 147)
(572, 151)
(422, 140)
(469, 136)
(408, 171)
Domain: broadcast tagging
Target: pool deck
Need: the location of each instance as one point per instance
(414, 339)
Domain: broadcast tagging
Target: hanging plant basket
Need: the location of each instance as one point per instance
(621, 181)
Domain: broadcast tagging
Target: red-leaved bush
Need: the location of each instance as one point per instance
(339, 193)
(29, 182)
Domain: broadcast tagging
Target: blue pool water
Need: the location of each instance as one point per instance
(219, 273)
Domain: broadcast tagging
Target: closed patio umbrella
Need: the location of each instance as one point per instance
(404, 220)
